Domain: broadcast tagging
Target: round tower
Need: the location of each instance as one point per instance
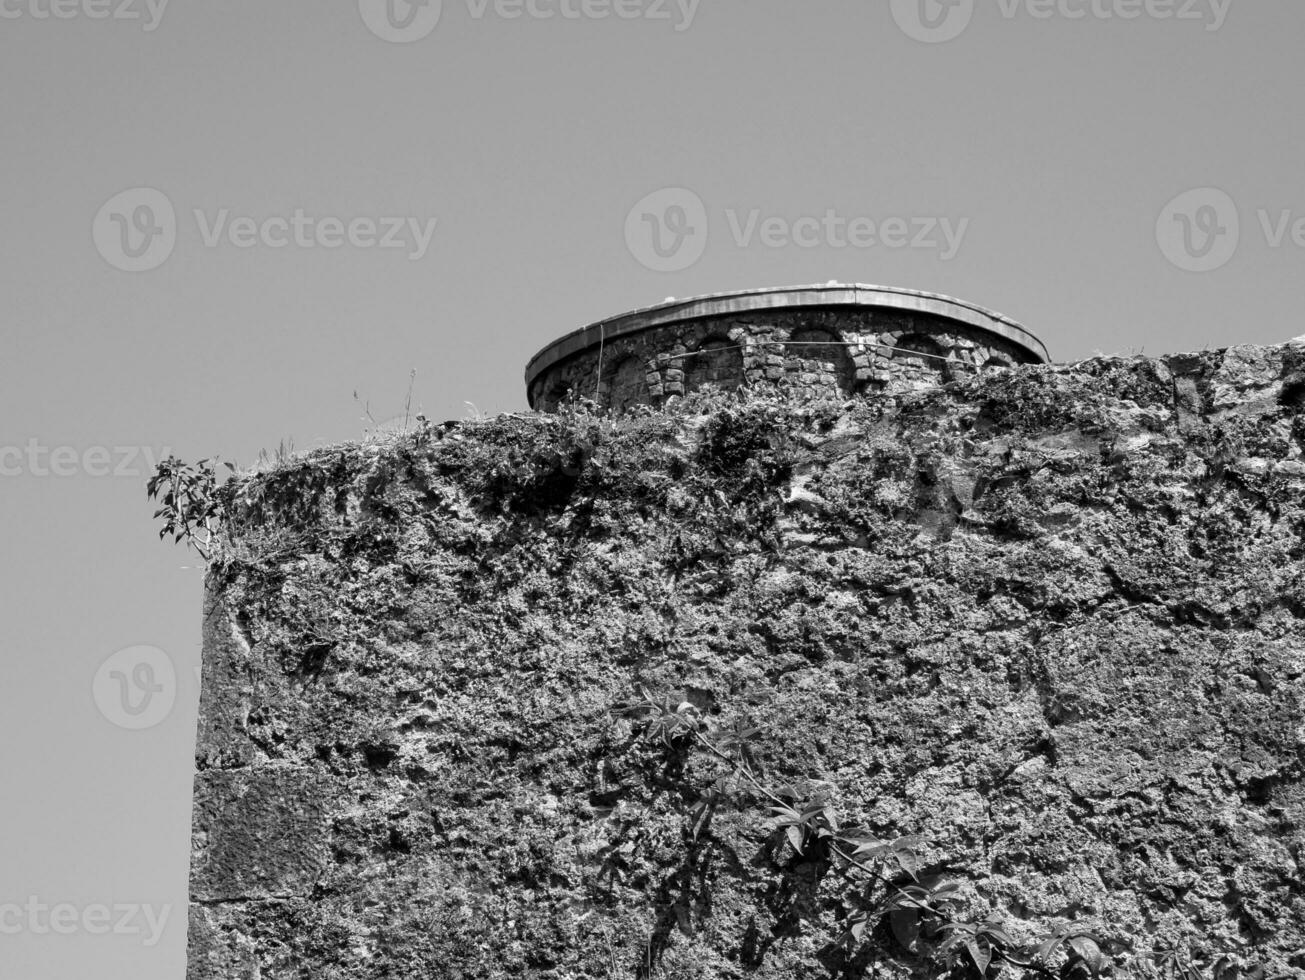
(846, 338)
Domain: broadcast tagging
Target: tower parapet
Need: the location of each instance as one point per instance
(848, 338)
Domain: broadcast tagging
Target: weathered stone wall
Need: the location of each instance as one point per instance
(816, 351)
(1051, 619)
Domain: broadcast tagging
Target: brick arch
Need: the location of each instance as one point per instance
(999, 361)
(920, 348)
(628, 384)
(716, 361)
(920, 359)
(921, 355)
(829, 356)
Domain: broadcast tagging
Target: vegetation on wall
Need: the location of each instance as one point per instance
(999, 679)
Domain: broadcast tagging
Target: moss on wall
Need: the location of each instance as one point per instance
(1052, 620)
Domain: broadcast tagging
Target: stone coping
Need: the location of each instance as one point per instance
(830, 295)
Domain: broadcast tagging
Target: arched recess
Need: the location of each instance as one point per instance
(628, 384)
(921, 349)
(818, 352)
(922, 357)
(558, 392)
(717, 362)
(998, 362)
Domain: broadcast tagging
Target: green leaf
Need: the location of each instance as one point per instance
(1048, 947)
(794, 835)
(787, 814)
(997, 933)
(1086, 950)
(945, 891)
(871, 850)
(905, 924)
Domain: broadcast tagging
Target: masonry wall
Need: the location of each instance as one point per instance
(815, 351)
(1051, 620)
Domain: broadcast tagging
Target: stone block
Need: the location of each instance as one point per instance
(213, 953)
(225, 690)
(259, 833)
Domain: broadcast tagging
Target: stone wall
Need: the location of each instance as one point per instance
(1050, 620)
(816, 351)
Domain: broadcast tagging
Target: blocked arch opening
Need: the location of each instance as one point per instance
(921, 349)
(627, 384)
(922, 357)
(821, 352)
(557, 393)
(717, 361)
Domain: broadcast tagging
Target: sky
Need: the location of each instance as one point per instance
(224, 226)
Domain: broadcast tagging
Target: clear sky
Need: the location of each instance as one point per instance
(284, 162)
